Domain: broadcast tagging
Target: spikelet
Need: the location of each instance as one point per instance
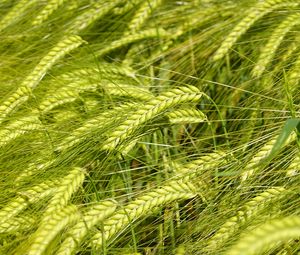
(248, 211)
(69, 185)
(119, 221)
(18, 128)
(268, 51)
(50, 7)
(150, 110)
(267, 236)
(94, 214)
(255, 13)
(21, 95)
(253, 164)
(15, 13)
(188, 115)
(47, 231)
(142, 14)
(131, 38)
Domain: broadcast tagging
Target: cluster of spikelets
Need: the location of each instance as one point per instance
(149, 127)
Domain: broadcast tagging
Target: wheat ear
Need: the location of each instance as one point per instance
(32, 80)
(268, 51)
(120, 220)
(47, 231)
(248, 211)
(255, 13)
(267, 236)
(150, 110)
(93, 214)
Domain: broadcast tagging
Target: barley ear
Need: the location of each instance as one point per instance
(92, 14)
(293, 168)
(47, 231)
(25, 198)
(267, 236)
(50, 7)
(121, 219)
(142, 14)
(69, 185)
(131, 38)
(18, 128)
(150, 110)
(15, 13)
(268, 51)
(247, 212)
(93, 214)
(263, 153)
(21, 95)
(254, 14)
(16, 224)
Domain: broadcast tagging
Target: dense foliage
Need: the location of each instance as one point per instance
(149, 127)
